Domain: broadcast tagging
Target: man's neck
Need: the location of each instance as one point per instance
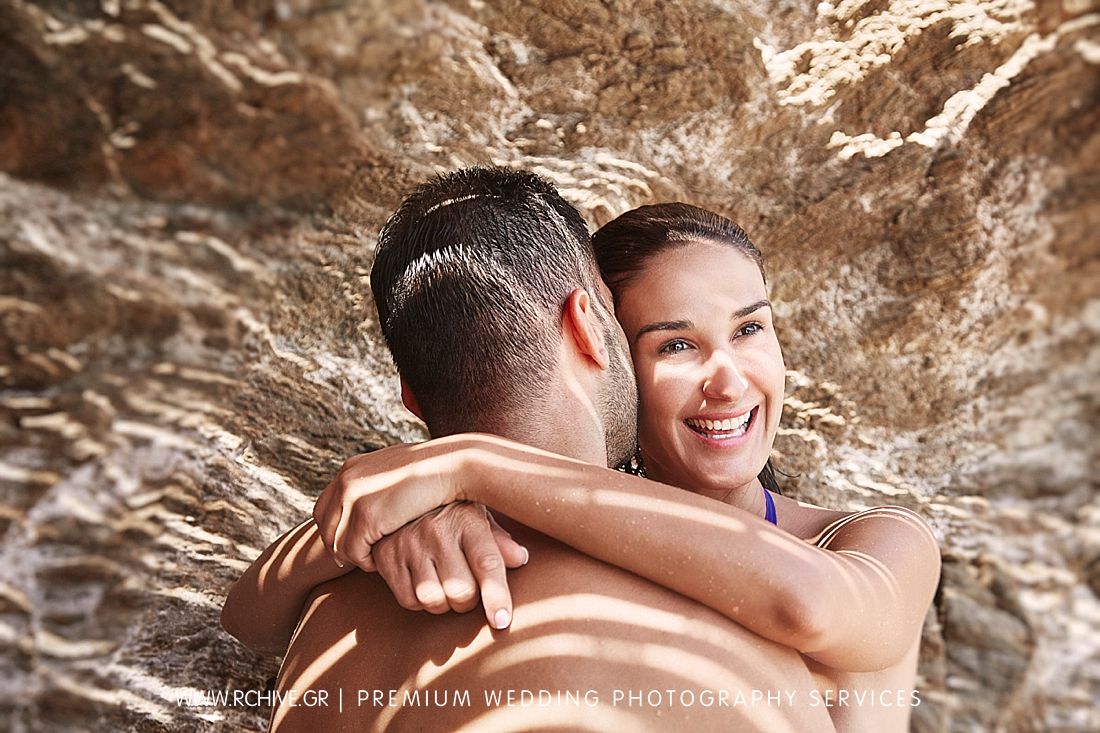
(568, 441)
(565, 433)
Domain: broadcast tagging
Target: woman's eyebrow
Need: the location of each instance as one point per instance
(742, 312)
(664, 326)
(684, 325)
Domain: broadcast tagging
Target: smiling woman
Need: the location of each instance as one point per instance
(710, 381)
(690, 292)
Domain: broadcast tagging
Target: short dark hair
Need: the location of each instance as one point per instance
(470, 277)
(627, 243)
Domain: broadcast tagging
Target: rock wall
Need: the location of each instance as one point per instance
(188, 205)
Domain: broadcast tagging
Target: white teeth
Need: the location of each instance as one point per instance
(731, 427)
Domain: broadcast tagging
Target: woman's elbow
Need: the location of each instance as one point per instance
(800, 619)
(846, 644)
(808, 622)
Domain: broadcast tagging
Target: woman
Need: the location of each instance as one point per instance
(850, 591)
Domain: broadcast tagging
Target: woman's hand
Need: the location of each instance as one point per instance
(440, 561)
(377, 493)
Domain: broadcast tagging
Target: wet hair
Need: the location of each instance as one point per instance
(470, 277)
(625, 245)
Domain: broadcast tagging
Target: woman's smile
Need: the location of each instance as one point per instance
(722, 430)
(709, 368)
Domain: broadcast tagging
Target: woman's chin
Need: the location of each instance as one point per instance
(703, 471)
(711, 478)
(712, 468)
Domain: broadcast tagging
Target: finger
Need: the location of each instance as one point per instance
(487, 565)
(427, 588)
(355, 542)
(515, 555)
(454, 575)
(397, 577)
(327, 518)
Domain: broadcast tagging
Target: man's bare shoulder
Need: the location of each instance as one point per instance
(587, 639)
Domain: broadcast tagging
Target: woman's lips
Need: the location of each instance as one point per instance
(724, 432)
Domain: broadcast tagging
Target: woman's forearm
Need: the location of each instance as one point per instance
(856, 606)
(843, 606)
(701, 548)
(262, 608)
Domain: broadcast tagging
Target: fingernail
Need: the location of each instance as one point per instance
(526, 555)
(500, 619)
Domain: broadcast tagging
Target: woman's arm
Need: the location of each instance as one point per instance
(856, 606)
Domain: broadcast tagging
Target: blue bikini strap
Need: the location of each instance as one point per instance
(769, 512)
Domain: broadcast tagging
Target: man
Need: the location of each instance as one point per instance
(490, 301)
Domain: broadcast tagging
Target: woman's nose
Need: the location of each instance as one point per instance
(724, 381)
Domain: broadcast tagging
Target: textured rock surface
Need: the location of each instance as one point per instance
(187, 347)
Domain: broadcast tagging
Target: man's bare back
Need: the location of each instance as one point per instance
(591, 647)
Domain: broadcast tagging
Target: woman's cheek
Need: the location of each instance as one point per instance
(647, 392)
(779, 375)
(653, 383)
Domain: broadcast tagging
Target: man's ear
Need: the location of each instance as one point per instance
(580, 321)
(408, 399)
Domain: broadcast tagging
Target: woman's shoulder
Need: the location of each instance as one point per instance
(879, 520)
(805, 520)
(820, 526)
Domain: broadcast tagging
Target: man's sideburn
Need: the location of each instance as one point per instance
(619, 399)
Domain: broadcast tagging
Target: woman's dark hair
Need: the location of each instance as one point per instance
(626, 244)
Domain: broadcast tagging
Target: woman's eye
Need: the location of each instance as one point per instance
(749, 329)
(674, 347)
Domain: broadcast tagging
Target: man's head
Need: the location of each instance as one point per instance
(471, 279)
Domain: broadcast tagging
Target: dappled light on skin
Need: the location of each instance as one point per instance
(588, 607)
(899, 514)
(876, 567)
(297, 541)
(872, 565)
(581, 397)
(839, 607)
(695, 668)
(578, 626)
(291, 662)
(598, 719)
(313, 672)
(605, 608)
(627, 501)
(481, 667)
(311, 609)
(419, 470)
(419, 681)
(430, 671)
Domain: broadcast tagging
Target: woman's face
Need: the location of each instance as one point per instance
(709, 368)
